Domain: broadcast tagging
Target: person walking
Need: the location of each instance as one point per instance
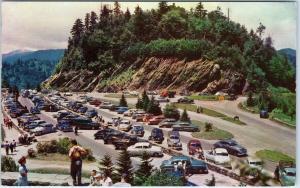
(76, 130)
(11, 147)
(76, 153)
(123, 182)
(14, 145)
(6, 146)
(22, 180)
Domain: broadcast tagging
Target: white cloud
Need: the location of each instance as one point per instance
(43, 25)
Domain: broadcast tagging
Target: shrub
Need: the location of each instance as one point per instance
(208, 127)
(8, 164)
(31, 153)
(170, 111)
(63, 145)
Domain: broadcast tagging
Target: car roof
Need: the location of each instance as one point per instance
(142, 144)
(254, 159)
(174, 133)
(221, 150)
(181, 157)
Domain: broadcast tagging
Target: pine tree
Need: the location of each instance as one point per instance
(93, 21)
(87, 22)
(124, 166)
(127, 15)
(163, 8)
(139, 104)
(200, 11)
(185, 117)
(170, 111)
(145, 169)
(77, 30)
(138, 22)
(145, 100)
(153, 107)
(117, 9)
(123, 101)
(106, 165)
(104, 16)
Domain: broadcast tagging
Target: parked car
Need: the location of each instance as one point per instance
(155, 120)
(64, 126)
(138, 130)
(95, 102)
(185, 100)
(162, 99)
(232, 147)
(102, 133)
(125, 125)
(44, 128)
(139, 148)
(167, 123)
(91, 113)
(185, 126)
(264, 114)
(285, 173)
(174, 140)
(218, 156)
(193, 166)
(121, 110)
(254, 162)
(138, 113)
(82, 110)
(157, 135)
(106, 105)
(84, 123)
(34, 110)
(68, 94)
(124, 141)
(114, 121)
(194, 147)
(110, 137)
(147, 117)
(129, 112)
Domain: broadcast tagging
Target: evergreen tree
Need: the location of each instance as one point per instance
(117, 9)
(170, 111)
(163, 8)
(124, 166)
(87, 22)
(200, 11)
(153, 107)
(93, 20)
(185, 117)
(138, 22)
(104, 17)
(106, 165)
(159, 178)
(250, 100)
(261, 29)
(123, 101)
(139, 104)
(145, 169)
(145, 100)
(127, 15)
(77, 30)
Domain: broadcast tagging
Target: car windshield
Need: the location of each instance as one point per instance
(195, 145)
(232, 143)
(222, 154)
(174, 137)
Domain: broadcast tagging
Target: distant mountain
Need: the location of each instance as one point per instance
(27, 69)
(24, 55)
(290, 54)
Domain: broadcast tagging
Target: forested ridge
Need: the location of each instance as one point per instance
(104, 41)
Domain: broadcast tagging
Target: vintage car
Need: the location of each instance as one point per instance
(84, 123)
(173, 140)
(82, 110)
(64, 126)
(114, 121)
(108, 138)
(44, 128)
(124, 125)
(218, 156)
(155, 120)
(139, 148)
(147, 117)
(232, 147)
(138, 113)
(102, 133)
(263, 114)
(157, 135)
(95, 102)
(91, 113)
(185, 100)
(193, 166)
(185, 126)
(285, 173)
(162, 99)
(121, 110)
(106, 105)
(129, 112)
(167, 123)
(138, 130)
(194, 147)
(124, 141)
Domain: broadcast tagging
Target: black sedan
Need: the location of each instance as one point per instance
(102, 133)
(185, 100)
(232, 147)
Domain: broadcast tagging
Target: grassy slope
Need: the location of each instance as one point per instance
(274, 156)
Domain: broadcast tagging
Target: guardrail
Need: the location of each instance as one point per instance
(166, 150)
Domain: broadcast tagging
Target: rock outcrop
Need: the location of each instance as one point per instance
(153, 74)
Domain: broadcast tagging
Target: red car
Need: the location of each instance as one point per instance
(95, 102)
(155, 120)
(194, 146)
(147, 117)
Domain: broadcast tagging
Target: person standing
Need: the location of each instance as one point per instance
(11, 147)
(23, 180)
(76, 130)
(14, 145)
(6, 146)
(76, 153)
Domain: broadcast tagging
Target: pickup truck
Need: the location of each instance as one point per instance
(218, 156)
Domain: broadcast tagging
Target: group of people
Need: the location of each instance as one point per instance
(100, 179)
(10, 147)
(180, 166)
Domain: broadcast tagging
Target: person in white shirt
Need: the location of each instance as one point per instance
(106, 181)
(123, 182)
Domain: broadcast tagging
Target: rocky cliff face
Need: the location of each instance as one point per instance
(153, 74)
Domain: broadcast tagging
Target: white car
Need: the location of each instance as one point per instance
(134, 93)
(254, 162)
(162, 99)
(141, 147)
(124, 125)
(129, 112)
(44, 128)
(68, 94)
(218, 156)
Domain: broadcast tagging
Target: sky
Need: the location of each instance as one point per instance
(46, 25)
